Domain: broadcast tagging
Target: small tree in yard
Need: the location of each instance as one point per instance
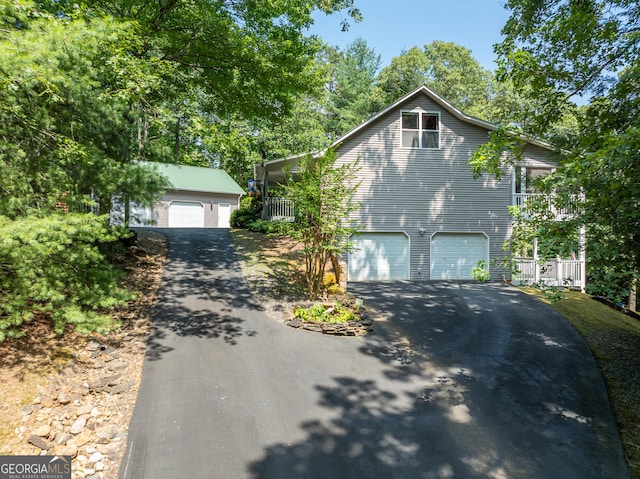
(323, 194)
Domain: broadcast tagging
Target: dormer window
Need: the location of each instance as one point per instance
(420, 130)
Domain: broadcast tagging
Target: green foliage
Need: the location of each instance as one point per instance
(553, 294)
(322, 191)
(52, 266)
(351, 101)
(90, 90)
(448, 69)
(279, 228)
(492, 157)
(67, 88)
(551, 52)
(241, 217)
(336, 313)
(480, 272)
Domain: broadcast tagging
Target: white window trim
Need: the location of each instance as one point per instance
(420, 112)
(524, 184)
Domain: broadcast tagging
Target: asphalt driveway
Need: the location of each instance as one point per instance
(457, 380)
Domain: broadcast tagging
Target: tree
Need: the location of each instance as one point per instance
(323, 193)
(448, 69)
(251, 58)
(87, 88)
(552, 53)
(65, 114)
(406, 72)
(352, 99)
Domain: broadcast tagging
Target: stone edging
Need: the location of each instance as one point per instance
(350, 328)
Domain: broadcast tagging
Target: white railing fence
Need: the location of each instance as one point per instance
(555, 272)
(567, 211)
(280, 209)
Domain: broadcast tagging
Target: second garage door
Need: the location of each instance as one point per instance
(454, 255)
(186, 214)
(379, 256)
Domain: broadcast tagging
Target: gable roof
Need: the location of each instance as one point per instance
(196, 178)
(433, 96)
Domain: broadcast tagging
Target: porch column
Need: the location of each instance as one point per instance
(265, 196)
(582, 256)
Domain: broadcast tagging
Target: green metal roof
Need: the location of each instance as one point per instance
(196, 178)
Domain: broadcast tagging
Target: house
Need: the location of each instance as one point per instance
(422, 215)
(197, 198)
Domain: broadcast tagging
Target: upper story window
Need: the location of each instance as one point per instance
(420, 130)
(525, 178)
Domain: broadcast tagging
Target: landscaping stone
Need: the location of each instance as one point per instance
(43, 431)
(79, 425)
(38, 442)
(349, 328)
(120, 388)
(63, 397)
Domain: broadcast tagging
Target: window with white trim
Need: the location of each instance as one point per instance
(526, 176)
(420, 130)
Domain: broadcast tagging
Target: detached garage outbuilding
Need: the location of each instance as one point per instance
(198, 198)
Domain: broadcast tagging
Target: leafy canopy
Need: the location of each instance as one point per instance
(322, 191)
(552, 53)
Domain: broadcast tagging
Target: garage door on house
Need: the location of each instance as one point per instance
(454, 255)
(186, 214)
(379, 256)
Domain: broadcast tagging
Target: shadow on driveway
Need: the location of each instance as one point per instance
(471, 381)
(457, 381)
(202, 292)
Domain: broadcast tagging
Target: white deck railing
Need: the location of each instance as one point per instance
(567, 211)
(280, 209)
(555, 272)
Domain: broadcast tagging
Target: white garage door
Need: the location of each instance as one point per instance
(454, 255)
(186, 214)
(379, 256)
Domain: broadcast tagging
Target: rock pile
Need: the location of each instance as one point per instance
(84, 411)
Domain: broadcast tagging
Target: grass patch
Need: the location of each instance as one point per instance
(614, 339)
(270, 263)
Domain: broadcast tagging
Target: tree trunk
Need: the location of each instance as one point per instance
(336, 267)
(126, 203)
(633, 296)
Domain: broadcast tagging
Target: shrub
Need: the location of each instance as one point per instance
(323, 314)
(331, 285)
(280, 228)
(241, 217)
(251, 203)
(259, 226)
(53, 266)
(480, 272)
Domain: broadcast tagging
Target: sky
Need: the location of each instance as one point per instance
(391, 26)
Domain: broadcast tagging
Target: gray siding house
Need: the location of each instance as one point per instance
(422, 216)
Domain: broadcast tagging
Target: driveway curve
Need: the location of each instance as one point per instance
(457, 380)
